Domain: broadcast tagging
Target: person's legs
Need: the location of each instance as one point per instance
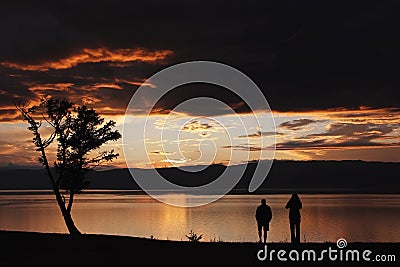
(265, 234)
(298, 232)
(259, 231)
(292, 236)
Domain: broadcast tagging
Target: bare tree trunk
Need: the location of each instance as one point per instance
(70, 201)
(69, 222)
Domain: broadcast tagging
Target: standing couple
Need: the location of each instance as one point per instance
(264, 216)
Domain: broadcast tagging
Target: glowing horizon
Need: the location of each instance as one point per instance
(317, 135)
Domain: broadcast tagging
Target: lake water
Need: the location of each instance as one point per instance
(365, 218)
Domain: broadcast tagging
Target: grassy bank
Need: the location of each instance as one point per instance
(39, 249)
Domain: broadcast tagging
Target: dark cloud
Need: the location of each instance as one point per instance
(259, 134)
(304, 55)
(161, 153)
(390, 115)
(346, 135)
(201, 106)
(296, 124)
(245, 147)
(326, 144)
(354, 130)
(9, 114)
(196, 126)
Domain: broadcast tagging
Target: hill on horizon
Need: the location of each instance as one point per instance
(285, 176)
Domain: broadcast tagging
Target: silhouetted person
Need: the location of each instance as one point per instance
(294, 205)
(263, 217)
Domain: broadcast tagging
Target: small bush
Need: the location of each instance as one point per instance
(193, 237)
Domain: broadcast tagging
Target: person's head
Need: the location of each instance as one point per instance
(263, 201)
(295, 196)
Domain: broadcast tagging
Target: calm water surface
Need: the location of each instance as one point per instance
(366, 218)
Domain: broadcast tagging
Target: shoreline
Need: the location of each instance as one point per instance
(52, 249)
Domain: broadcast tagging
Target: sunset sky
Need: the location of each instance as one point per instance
(330, 72)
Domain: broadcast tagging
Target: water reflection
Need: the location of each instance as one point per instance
(324, 217)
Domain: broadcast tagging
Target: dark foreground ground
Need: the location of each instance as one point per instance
(38, 249)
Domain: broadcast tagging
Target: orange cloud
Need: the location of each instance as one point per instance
(361, 115)
(50, 86)
(60, 87)
(88, 55)
(102, 85)
(138, 83)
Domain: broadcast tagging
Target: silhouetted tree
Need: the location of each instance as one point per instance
(78, 132)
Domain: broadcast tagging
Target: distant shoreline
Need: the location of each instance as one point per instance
(285, 177)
